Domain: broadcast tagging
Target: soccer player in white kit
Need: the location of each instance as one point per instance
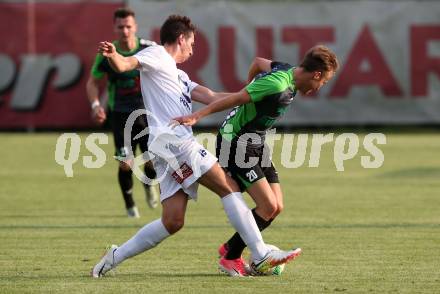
(167, 93)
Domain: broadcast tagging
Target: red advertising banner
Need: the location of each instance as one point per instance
(390, 61)
(389, 52)
(46, 53)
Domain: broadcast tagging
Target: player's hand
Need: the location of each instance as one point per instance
(187, 120)
(107, 49)
(98, 115)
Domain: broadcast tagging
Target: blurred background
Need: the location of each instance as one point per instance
(389, 52)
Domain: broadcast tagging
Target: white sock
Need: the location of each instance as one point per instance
(241, 218)
(146, 238)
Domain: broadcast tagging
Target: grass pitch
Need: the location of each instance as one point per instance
(361, 230)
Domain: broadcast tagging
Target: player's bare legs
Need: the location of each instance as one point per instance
(269, 200)
(172, 220)
(173, 212)
(242, 220)
(267, 197)
(148, 237)
(278, 193)
(218, 181)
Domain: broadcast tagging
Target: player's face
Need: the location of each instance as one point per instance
(125, 28)
(186, 47)
(315, 81)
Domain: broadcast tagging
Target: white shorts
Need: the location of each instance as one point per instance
(189, 162)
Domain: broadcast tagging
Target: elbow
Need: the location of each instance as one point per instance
(244, 97)
(254, 64)
(124, 67)
(212, 96)
(258, 61)
(117, 66)
(209, 97)
(263, 64)
(119, 69)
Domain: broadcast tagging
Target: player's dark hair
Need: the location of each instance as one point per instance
(173, 27)
(123, 12)
(320, 58)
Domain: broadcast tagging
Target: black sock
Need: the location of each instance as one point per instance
(126, 184)
(149, 172)
(236, 245)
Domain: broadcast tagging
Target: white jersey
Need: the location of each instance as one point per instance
(166, 90)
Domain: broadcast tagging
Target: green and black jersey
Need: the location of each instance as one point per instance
(123, 88)
(271, 94)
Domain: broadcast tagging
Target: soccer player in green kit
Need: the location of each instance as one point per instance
(271, 89)
(124, 97)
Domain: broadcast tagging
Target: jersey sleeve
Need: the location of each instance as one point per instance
(149, 59)
(191, 85)
(97, 71)
(276, 65)
(146, 43)
(264, 86)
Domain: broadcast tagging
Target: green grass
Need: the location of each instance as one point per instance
(362, 230)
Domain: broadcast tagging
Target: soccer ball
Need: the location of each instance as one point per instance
(276, 270)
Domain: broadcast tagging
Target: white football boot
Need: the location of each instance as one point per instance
(105, 264)
(272, 259)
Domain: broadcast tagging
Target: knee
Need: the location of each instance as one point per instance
(279, 209)
(268, 210)
(124, 166)
(174, 224)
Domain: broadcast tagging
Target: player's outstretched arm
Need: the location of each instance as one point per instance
(258, 65)
(205, 95)
(230, 101)
(118, 62)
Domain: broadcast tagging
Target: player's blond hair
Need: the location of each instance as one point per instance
(320, 58)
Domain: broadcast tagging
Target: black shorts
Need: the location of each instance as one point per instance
(246, 176)
(118, 125)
